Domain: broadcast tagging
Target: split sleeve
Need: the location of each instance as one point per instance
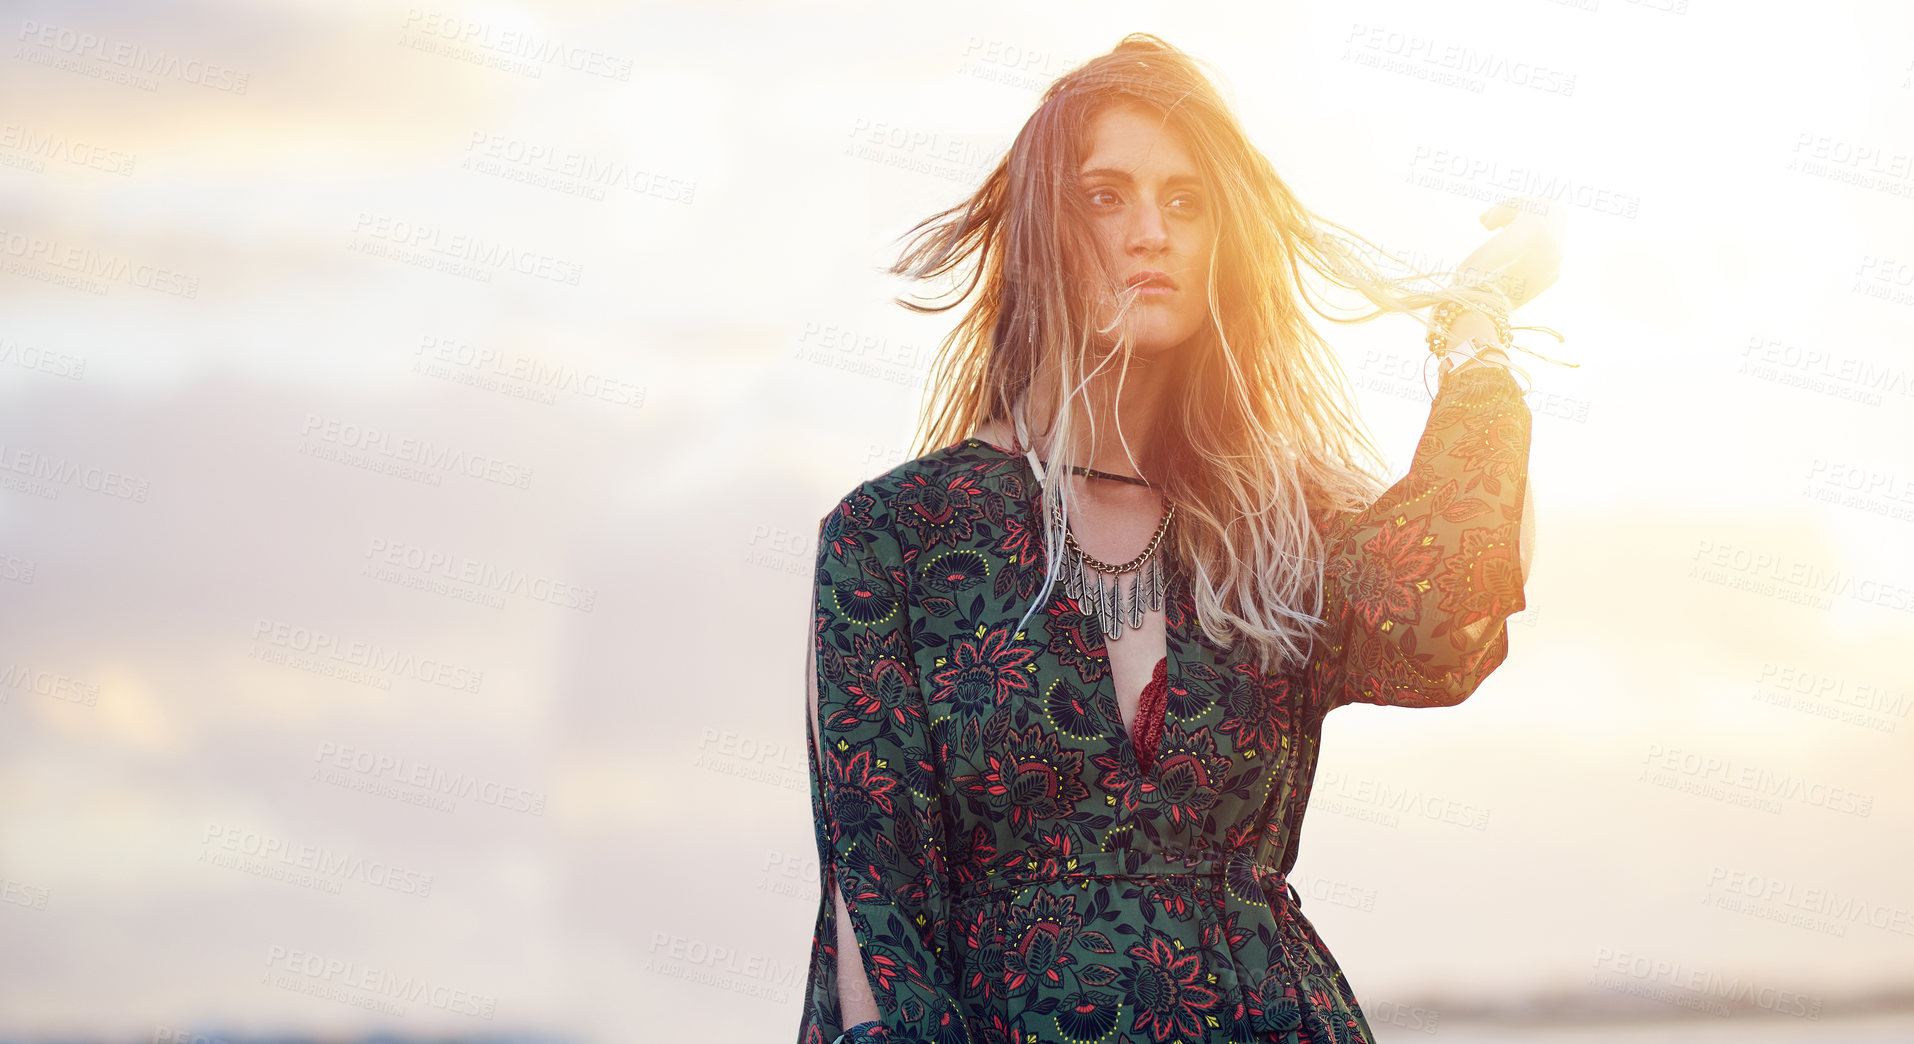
(876, 802)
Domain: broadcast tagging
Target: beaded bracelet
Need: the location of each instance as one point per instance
(1447, 312)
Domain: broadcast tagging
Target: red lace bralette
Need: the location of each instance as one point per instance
(1147, 730)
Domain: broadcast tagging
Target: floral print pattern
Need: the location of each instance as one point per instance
(1015, 868)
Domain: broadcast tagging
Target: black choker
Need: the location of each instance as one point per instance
(1091, 472)
(1094, 473)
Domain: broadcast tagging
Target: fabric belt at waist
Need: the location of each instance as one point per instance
(1247, 884)
(1239, 865)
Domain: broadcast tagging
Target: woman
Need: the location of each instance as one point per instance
(1070, 665)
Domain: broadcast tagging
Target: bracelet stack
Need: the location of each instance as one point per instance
(1447, 312)
(1492, 301)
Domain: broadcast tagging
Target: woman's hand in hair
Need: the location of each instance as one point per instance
(1525, 256)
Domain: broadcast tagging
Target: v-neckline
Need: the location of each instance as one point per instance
(1115, 733)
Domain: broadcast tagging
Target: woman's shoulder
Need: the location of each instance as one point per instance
(957, 481)
(961, 467)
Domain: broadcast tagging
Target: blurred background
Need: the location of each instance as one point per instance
(415, 421)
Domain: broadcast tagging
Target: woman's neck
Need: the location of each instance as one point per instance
(1139, 407)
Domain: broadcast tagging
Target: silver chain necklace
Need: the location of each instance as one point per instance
(1099, 586)
(1097, 583)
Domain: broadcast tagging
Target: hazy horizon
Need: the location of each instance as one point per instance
(415, 422)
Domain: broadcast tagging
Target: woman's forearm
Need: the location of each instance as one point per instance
(1472, 323)
(854, 998)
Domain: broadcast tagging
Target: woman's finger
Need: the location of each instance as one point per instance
(1500, 214)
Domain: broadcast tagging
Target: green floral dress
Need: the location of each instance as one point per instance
(1014, 871)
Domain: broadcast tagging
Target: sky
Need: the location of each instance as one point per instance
(415, 419)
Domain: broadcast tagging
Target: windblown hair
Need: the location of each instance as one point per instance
(1256, 440)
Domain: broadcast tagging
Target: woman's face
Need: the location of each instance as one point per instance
(1154, 221)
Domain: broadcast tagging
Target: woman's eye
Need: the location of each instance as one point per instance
(1187, 202)
(1102, 197)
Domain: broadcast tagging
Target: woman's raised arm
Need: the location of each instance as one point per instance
(1417, 587)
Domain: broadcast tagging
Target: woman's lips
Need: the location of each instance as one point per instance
(1151, 284)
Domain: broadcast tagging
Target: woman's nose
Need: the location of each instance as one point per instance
(1148, 233)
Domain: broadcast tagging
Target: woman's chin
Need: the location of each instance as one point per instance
(1150, 340)
(1156, 344)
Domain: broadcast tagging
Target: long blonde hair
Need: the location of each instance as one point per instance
(1256, 441)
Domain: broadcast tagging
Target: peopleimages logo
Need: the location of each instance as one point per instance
(533, 49)
(501, 369)
(1787, 899)
(377, 982)
(482, 253)
(365, 438)
(1697, 988)
(134, 57)
(98, 267)
(425, 778)
(414, 565)
(271, 856)
(321, 652)
(1711, 775)
(46, 475)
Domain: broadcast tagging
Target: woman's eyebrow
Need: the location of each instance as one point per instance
(1124, 176)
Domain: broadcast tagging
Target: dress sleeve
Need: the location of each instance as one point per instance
(875, 803)
(1417, 587)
